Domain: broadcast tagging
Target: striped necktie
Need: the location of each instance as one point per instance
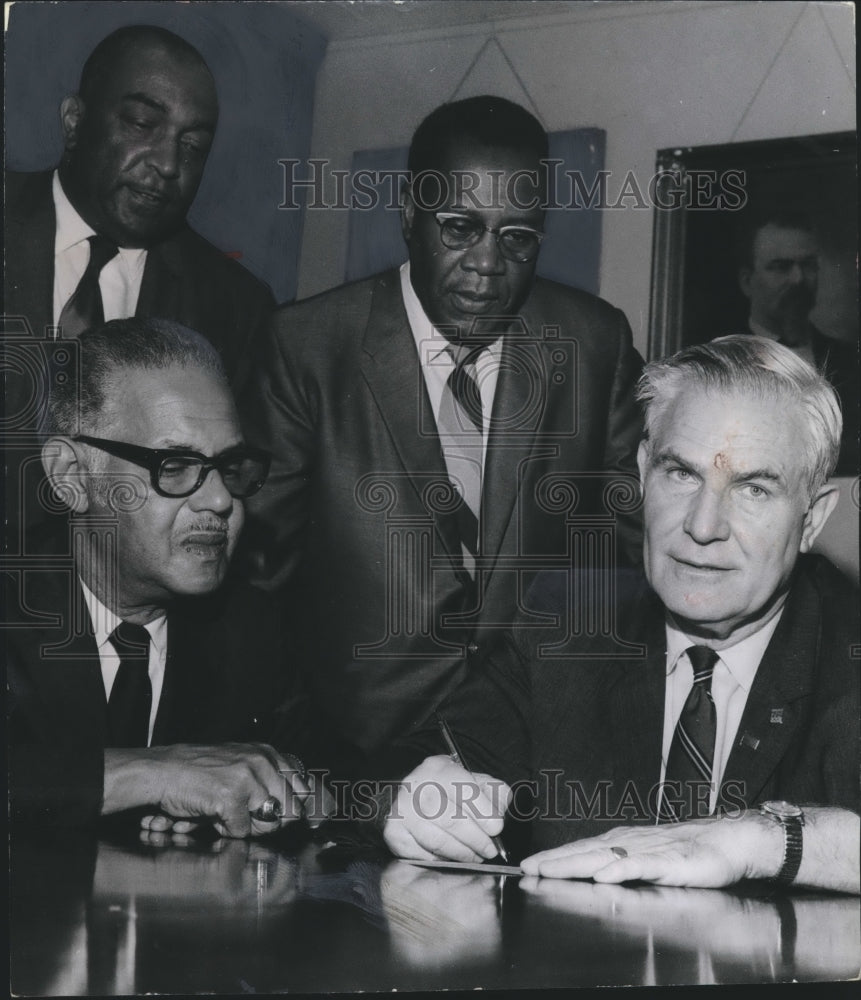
(692, 751)
(131, 695)
(85, 308)
(461, 433)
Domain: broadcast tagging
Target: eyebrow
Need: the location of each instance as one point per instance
(670, 457)
(140, 98)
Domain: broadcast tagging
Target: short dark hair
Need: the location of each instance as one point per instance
(115, 47)
(488, 121)
(77, 402)
(780, 217)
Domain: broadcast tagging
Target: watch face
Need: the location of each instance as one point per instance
(781, 809)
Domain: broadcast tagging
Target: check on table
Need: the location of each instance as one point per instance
(123, 916)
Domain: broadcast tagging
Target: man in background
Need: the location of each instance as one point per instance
(104, 236)
(431, 429)
(779, 274)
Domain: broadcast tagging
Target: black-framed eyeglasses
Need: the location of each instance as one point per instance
(179, 473)
(460, 232)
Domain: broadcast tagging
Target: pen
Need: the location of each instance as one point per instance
(457, 757)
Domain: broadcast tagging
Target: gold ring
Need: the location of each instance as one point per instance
(270, 811)
(620, 852)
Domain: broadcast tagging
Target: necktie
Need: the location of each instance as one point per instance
(460, 425)
(131, 696)
(692, 750)
(85, 309)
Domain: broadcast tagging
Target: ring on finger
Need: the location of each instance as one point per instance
(620, 852)
(269, 811)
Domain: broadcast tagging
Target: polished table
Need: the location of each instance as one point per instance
(140, 913)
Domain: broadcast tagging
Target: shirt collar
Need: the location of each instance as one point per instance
(71, 228)
(105, 621)
(742, 659)
(430, 343)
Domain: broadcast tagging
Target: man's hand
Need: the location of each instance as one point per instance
(713, 852)
(706, 853)
(189, 784)
(443, 811)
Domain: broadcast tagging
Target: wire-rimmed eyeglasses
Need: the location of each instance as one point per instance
(460, 232)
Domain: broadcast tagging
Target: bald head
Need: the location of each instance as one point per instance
(137, 135)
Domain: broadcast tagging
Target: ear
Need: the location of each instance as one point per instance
(65, 470)
(71, 116)
(643, 461)
(408, 212)
(817, 514)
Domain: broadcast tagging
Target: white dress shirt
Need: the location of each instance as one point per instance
(437, 363)
(120, 279)
(732, 678)
(104, 622)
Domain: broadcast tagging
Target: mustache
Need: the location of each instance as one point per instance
(209, 527)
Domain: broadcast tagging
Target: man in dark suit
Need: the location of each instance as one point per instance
(737, 699)
(139, 674)
(439, 433)
(104, 236)
(779, 274)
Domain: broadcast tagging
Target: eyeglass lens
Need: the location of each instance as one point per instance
(242, 476)
(515, 243)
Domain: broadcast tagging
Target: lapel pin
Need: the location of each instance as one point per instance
(777, 716)
(749, 741)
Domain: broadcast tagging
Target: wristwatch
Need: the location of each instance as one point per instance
(791, 818)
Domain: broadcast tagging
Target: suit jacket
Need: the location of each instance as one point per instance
(584, 733)
(185, 278)
(356, 517)
(225, 679)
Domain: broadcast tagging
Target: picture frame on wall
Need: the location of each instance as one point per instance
(707, 195)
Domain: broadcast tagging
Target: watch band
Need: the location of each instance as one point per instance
(791, 818)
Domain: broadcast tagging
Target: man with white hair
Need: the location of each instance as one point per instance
(733, 721)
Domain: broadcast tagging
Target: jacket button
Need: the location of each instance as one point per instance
(472, 648)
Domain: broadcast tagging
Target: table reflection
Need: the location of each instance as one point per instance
(121, 917)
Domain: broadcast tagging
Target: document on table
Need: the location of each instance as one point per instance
(467, 866)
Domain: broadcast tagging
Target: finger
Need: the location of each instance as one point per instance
(462, 841)
(157, 823)
(402, 843)
(574, 864)
(185, 826)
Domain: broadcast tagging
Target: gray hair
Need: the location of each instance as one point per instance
(77, 403)
(763, 368)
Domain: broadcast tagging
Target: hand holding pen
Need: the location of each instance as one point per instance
(457, 757)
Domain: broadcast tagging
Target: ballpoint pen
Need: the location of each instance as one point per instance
(457, 757)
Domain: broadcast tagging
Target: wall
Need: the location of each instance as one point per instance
(653, 75)
(264, 61)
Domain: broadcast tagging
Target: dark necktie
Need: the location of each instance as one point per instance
(131, 696)
(85, 309)
(692, 750)
(460, 426)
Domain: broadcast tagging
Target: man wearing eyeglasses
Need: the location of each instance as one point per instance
(433, 427)
(140, 676)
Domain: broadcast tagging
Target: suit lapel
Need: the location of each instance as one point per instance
(509, 443)
(30, 267)
(69, 671)
(391, 369)
(636, 710)
(161, 285)
(774, 708)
